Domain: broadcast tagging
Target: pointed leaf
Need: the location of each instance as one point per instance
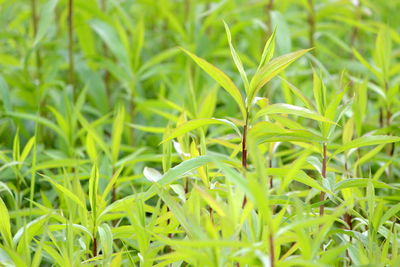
(221, 78)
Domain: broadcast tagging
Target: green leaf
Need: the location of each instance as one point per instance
(270, 70)
(366, 64)
(235, 177)
(390, 213)
(117, 130)
(93, 189)
(5, 94)
(307, 102)
(183, 168)
(281, 108)
(268, 51)
(319, 91)
(106, 241)
(360, 182)
(27, 149)
(46, 20)
(236, 59)
(38, 119)
(5, 227)
(221, 78)
(383, 51)
(110, 37)
(66, 192)
(145, 128)
(112, 181)
(367, 141)
(299, 176)
(270, 132)
(194, 124)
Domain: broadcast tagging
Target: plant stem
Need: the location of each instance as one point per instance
(354, 32)
(94, 246)
(35, 29)
(244, 141)
(311, 23)
(244, 149)
(105, 51)
(348, 220)
(271, 249)
(269, 7)
(322, 195)
(271, 184)
(71, 42)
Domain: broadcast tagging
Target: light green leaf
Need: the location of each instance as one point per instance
(5, 94)
(117, 130)
(106, 241)
(299, 176)
(93, 189)
(367, 141)
(366, 64)
(319, 91)
(46, 20)
(110, 37)
(307, 102)
(27, 149)
(268, 51)
(38, 119)
(5, 227)
(281, 108)
(270, 70)
(66, 192)
(194, 124)
(221, 78)
(390, 213)
(236, 59)
(145, 128)
(360, 182)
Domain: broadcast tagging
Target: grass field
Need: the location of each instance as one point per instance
(200, 133)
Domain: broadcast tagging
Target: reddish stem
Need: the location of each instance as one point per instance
(322, 195)
(244, 151)
(271, 250)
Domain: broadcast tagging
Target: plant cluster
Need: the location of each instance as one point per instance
(199, 133)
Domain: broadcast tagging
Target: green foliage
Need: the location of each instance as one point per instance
(199, 133)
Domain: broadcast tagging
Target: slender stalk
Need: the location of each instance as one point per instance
(348, 220)
(113, 199)
(71, 78)
(322, 195)
(269, 7)
(311, 24)
(244, 149)
(35, 22)
(94, 246)
(271, 183)
(271, 249)
(244, 145)
(354, 32)
(107, 76)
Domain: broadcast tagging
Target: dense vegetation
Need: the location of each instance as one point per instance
(199, 133)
